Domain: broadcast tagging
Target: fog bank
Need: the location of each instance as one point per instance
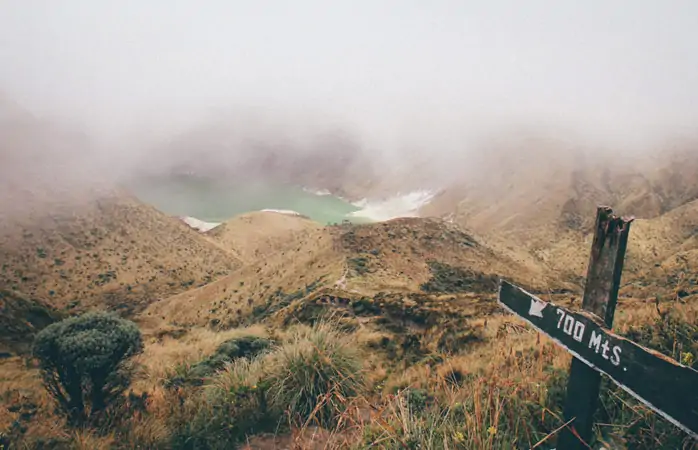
(428, 81)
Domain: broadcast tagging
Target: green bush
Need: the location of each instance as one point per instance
(82, 362)
(417, 399)
(315, 375)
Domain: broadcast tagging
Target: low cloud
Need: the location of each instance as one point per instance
(106, 91)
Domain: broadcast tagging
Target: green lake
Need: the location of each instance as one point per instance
(217, 201)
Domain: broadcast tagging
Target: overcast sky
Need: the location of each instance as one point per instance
(408, 69)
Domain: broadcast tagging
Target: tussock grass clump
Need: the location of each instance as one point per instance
(231, 408)
(162, 354)
(314, 375)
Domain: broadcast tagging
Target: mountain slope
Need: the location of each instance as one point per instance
(68, 237)
(399, 256)
(21, 318)
(256, 235)
(540, 197)
(110, 250)
(663, 254)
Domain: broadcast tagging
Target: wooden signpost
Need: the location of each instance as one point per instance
(665, 386)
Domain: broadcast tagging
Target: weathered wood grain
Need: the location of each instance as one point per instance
(606, 264)
(600, 297)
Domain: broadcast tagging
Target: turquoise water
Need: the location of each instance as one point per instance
(216, 201)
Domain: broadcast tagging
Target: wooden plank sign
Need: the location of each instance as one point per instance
(665, 386)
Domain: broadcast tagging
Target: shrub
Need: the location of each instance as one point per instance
(82, 362)
(315, 374)
(360, 265)
(449, 279)
(417, 399)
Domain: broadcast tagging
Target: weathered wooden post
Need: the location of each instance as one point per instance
(662, 384)
(600, 297)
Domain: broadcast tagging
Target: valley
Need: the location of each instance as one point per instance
(348, 225)
(400, 288)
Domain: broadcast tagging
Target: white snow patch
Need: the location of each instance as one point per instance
(288, 212)
(318, 192)
(199, 225)
(401, 205)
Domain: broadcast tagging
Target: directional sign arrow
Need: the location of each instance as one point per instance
(664, 385)
(536, 308)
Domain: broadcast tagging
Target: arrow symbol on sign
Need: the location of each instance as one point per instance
(537, 307)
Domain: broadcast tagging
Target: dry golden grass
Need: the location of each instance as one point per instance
(511, 364)
(256, 235)
(16, 376)
(535, 200)
(397, 253)
(228, 300)
(161, 355)
(22, 392)
(115, 250)
(89, 440)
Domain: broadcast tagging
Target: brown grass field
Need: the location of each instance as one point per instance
(420, 355)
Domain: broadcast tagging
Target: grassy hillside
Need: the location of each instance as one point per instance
(663, 254)
(306, 262)
(423, 256)
(539, 197)
(416, 352)
(274, 331)
(256, 235)
(114, 252)
(381, 374)
(21, 318)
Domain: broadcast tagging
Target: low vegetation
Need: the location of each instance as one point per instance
(83, 363)
(228, 351)
(21, 318)
(448, 279)
(315, 375)
(328, 386)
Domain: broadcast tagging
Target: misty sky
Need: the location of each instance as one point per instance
(389, 68)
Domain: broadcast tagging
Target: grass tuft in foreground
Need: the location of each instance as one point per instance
(315, 374)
